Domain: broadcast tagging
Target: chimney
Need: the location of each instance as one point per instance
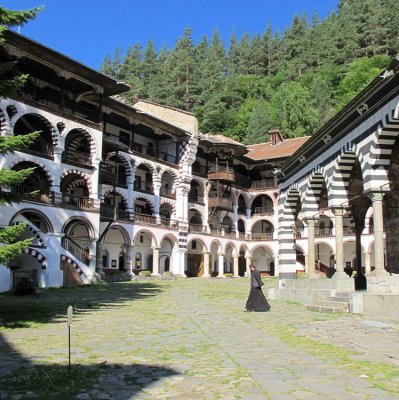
(275, 136)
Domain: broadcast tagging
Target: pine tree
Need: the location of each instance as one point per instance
(149, 68)
(9, 84)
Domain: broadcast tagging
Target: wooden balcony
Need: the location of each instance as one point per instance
(264, 210)
(82, 202)
(77, 158)
(220, 202)
(264, 184)
(225, 174)
(261, 236)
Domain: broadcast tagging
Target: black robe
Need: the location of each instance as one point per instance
(256, 299)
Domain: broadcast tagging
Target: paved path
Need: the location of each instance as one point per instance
(191, 339)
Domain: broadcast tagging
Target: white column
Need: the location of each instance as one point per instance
(99, 259)
(157, 198)
(155, 261)
(235, 266)
(248, 262)
(93, 255)
(367, 262)
(376, 199)
(130, 260)
(206, 265)
(221, 266)
(276, 269)
(311, 259)
(339, 244)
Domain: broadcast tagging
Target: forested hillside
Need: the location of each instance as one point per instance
(296, 80)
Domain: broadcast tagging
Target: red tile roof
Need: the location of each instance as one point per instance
(265, 151)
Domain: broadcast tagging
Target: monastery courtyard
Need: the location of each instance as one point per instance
(190, 339)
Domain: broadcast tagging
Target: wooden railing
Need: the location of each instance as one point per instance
(264, 210)
(166, 192)
(25, 190)
(222, 202)
(39, 147)
(269, 183)
(196, 199)
(197, 228)
(77, 157)
(74, 248)
(152, 152)
(78, 201)
(262, 236)
(170, 223)
(323, 232)
(116, 139)
(145, 187)
(145, 219)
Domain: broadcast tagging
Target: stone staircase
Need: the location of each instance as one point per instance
(335, 304)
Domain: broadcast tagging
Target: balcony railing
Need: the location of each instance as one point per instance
(39, 148)
(78, 201)
(144, 187)
(74, 248)
(170, 223)
(166, 192)
(221, 172)
(264, 184)
(145, 219)
(323, 232)
(197, 228)
(221, 202)
(24, 191)
(54, 103)
(264, 210)
(150, 151)
(77, 157)
(261, 236)
(196, 199)
(116, 139)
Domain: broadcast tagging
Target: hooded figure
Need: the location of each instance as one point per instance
(256, 299)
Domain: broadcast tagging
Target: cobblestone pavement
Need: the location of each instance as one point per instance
(192, 339)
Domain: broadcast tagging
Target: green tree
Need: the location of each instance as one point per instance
(359, 74)
(258, 124)
(9, 84)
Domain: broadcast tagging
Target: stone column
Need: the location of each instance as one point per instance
(155, 261)
(311, 259)
(248, 262)
(376, 199)
(221, 266)
(235, 266)
(339, 244)
(367, 262)
(93, 255)
(99, 259)
(157, 198)
(206, 265)
(276, 269)
(130, 260)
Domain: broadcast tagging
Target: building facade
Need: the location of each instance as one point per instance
(128, 188)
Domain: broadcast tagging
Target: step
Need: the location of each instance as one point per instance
(343, 299)
(326, 309)
(333, 303)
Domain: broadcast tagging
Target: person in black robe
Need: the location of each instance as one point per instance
(256, 299)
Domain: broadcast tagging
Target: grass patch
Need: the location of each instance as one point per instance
(50, 381)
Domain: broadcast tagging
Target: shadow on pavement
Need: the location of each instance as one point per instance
(50, 305)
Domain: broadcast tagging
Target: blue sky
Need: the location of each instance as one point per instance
(86, 30)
